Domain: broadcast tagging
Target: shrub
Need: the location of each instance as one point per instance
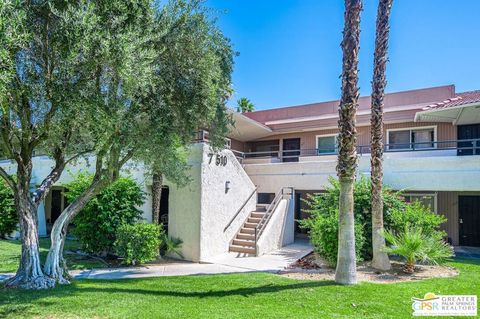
(418, 215)
(323, 232)
(96, 225)
(8, 214)
(138, 243)
(324, 203)
(413, 244)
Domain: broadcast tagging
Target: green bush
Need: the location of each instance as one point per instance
(323, 232)
(418, 215)
(8, 214)
(96, 225)
(414, 244)
(138, 243)
(325, 203)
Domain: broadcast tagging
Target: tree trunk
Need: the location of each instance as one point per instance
(347, 154)
(346, 272)
(55, 265)
(29, 274)
(409, 267)
(156, 197)
(380, 258)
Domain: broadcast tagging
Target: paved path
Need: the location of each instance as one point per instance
(225, 264)
(467, 252)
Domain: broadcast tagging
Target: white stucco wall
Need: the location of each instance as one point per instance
(185, 207)
(42, 165)
(280, 230)
(441, 173)
(218, 205)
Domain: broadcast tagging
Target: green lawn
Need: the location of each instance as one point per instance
(10, 251)
(254, 295)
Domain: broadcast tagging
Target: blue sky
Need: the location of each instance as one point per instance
(290, 49)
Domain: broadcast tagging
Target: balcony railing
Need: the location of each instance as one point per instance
(462, 147)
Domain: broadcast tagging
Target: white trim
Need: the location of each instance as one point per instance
(434, 195)
(413, 129)
(326, 135)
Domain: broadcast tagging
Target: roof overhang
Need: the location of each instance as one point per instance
(457, 115)
(245, 129)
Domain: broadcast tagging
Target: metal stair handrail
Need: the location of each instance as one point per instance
(269, 212)
(241, 207)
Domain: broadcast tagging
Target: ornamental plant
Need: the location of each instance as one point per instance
(97, 223)
(138, 243)
(414, 244)
(8, 214)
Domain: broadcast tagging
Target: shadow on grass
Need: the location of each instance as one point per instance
(245, 292)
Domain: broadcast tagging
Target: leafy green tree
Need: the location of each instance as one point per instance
(245, 105)
(46, 66)
(115, 81)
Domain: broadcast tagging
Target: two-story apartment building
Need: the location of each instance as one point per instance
(247, 198)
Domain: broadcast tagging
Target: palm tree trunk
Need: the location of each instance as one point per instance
(156, 197)
(380, 258)
(347, 155)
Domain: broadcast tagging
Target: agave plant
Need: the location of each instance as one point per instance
(413, 245)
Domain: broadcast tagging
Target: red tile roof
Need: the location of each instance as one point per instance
(463, 98)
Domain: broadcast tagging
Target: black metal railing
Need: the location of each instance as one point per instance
(463, 147)
(240, 209)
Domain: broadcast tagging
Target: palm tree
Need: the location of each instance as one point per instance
(245, 105)
(346, 272)
(380, 258)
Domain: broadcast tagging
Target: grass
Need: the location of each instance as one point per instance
(10, 251)
(251, 295)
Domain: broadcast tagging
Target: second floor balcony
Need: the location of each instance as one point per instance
(464, 147)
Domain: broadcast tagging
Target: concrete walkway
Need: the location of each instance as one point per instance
(467, 252)
(225, 264)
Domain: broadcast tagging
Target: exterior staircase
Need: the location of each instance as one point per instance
(244, 240)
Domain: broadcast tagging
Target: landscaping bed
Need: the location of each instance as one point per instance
(313, 267)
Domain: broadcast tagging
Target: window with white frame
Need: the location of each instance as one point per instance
(427, 200)
(327, 144)
(413, 138)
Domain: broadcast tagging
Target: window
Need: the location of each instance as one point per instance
(327, 144)
(427, 200)
(405, 139)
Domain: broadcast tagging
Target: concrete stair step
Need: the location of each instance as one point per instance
(257, 214)
(244, 243)
(244, 230)
(245, 236)
(253, 220)
(242, 249)
(261, 208)
(250, 225)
